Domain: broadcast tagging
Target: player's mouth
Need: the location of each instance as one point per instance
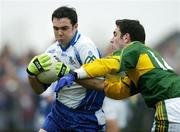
(60, 40)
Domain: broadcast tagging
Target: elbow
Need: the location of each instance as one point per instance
(116, 92)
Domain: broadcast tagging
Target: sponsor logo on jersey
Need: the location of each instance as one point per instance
(57, 58)
(71, 60)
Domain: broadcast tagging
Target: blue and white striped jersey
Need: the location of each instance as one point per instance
(81, 50)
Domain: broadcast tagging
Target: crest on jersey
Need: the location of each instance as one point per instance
(90, 58)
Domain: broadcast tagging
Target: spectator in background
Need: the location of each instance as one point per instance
(16, 100)
(45, 104)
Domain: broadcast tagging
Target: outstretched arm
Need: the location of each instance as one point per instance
(96, 84)
(98, 68)
(118, 89)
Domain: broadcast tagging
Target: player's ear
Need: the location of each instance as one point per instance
(127, 38)
(75, 26)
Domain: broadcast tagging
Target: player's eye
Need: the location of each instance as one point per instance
(61, 28)
(114, 34)
(64, 28)
(56, 28)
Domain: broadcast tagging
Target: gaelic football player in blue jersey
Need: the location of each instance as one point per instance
(76, 108)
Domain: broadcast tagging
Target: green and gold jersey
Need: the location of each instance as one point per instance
(152, 76)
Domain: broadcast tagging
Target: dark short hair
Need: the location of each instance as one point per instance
(66, 12)
(133, 27)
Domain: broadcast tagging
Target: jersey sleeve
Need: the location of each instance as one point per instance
(116, 87)
(101, 67)
(119, 87)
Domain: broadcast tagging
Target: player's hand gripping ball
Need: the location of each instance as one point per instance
(47, 67)
(49, 76)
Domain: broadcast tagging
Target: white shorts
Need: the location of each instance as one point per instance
(167, 116)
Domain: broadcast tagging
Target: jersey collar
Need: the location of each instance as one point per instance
(72, 42)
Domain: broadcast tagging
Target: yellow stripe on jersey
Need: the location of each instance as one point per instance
(101, 67)
(144, 65)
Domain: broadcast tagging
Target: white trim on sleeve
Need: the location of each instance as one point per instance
(81, 73)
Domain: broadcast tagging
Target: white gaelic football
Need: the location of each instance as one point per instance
(49, 77)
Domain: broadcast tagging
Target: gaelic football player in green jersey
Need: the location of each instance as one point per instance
(143, 71)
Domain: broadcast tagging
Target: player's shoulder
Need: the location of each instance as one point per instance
(84, 40)
(52, 47)
(116, 52)
(135, 47)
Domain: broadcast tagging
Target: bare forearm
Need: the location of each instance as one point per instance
(95, 84)
(37, 87)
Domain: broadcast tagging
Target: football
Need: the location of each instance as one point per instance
(48, 77)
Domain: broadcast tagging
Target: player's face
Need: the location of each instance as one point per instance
(63, 30)
(117, 42)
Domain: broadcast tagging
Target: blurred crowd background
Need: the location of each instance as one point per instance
(21, 110)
